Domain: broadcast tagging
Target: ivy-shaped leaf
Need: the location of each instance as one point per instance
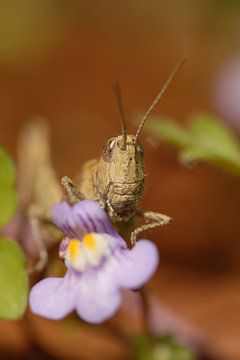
(168, 130)
(13, 280)
(206, 138)
(8, 195)
(161, 348)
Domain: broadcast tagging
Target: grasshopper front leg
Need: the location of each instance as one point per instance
(73, 194)
(156, 219)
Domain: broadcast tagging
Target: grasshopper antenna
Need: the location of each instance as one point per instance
(160, 94)
(118, 96)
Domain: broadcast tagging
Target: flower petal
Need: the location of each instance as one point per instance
(54, 298)
(63, 247)
(83, 217)
(98, 297)
(137, 265)
(93, 218)
(62, 216)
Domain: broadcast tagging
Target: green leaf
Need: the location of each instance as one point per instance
(215, 138)
(205, 139)
(13, 280)
(7, 173)
(169, 131)
(161, 348)
(8, 195)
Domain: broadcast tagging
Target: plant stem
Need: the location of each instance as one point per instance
(144, 293)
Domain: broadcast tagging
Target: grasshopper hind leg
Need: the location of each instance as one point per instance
(43, 254)
(36, 224)
(156, 219)
(45, 235)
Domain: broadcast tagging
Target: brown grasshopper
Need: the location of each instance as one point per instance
(116, 180)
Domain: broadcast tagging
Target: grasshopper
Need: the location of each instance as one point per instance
(115, 180)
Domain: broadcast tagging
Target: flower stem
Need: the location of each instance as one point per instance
(119, 333)
(144, 293)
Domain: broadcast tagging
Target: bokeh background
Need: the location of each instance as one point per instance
(57, 58)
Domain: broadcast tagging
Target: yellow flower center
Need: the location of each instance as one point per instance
(89, 242)
(74, 249)
(88, 251)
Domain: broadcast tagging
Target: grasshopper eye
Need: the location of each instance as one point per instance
(108, 149)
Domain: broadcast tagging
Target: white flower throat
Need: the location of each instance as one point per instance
(89, 251)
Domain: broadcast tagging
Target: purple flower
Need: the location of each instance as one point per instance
(226, 88)
(99, 264)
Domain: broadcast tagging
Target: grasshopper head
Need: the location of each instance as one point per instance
(121, 175)
(123, 161)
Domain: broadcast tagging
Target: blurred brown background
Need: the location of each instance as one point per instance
(57, 59)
